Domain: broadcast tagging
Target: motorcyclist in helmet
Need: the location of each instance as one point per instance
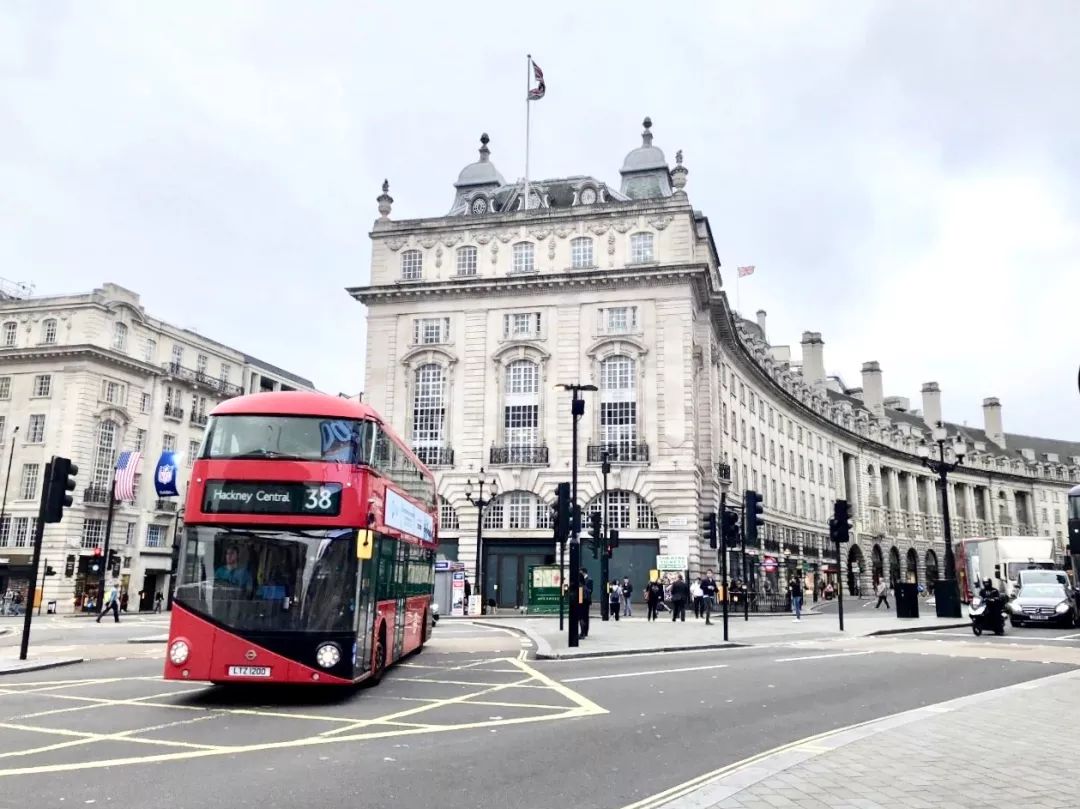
(989, 591)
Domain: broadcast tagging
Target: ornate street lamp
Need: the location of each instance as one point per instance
(946, 594)
(480, 504)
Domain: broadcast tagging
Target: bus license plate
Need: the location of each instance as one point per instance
(249, 671)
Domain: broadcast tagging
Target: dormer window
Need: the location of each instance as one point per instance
(523, 257)
(412, 265)
(641, 248)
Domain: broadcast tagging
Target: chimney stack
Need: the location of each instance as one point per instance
(931, 403)
(873, 390)
(761, 323)
(992, 421)
(813, 358)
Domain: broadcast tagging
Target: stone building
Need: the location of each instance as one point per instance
(475, 318)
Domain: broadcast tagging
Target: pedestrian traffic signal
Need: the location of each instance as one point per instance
(730, 527)
(710, 529)
(59, 481)
(840, 524)
(613, 537)
(752, 519)
(562, 512)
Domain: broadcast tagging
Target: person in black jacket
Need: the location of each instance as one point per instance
(708, 593)
(679, 594)
(654, 594)
(586, 604)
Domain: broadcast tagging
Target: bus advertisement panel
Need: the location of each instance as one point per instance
(308, 547)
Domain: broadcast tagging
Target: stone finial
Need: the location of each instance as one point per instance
(385, 200)
(485, 152)
(678, 174)
(646, 136)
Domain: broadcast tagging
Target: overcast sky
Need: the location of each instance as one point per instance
(905, 176)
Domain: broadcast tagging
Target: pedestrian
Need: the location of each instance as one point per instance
(882, 594)
(124, 601)
(654, 593)
(110, 602)
(796, 590)
(679, 595)
(586, 603)
(614, 596)
(627, 591)
(708, 595)
(159, 599)
(696, 597)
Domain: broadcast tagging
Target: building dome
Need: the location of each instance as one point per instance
(645, 173)
(646, 157)
(482, 172)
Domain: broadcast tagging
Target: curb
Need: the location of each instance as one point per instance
(553, 655)
(26, 666)
(906, 629)
(150, 639)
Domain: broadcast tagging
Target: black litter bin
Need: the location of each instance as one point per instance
(907, 601)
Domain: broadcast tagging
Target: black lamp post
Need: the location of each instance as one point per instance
(7, 479)
(946, 594)
(577, 410)
(480, 504)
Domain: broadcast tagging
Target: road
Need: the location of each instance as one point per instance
(469, 722)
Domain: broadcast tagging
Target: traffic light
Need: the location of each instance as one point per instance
(594, 533)
(710, 529)
(752, 519)
(113, 562)
(613, 537)
(730, 527)
(61, 481)
(562, 512)
(50, 570)
(840, 524)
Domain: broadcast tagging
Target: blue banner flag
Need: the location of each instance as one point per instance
(165, 475)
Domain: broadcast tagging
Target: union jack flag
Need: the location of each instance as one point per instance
(536, 93)
(745, 271)
(124, 487)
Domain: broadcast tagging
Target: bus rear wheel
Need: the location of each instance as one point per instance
(425, 632)
(379, 663)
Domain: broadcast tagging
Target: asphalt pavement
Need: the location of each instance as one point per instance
(470, 722)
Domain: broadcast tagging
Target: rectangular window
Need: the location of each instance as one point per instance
(641, 248)
(619, 320)
(466, 260)
(3, 430)
(43, 386)
(5, 530)
(93, 533)
(5, 387)
(147, 401)
(431, 330)
(412, 265)
(48, 332)
(35, 433)
(113, 392)
(24, 527)
(155, 536)
(226, 372)
(742, 430)
(783, 465)
(523, 257)
(772, 452)
(201, 363)
(521, 324)
(11, 331)
(129, 534)
(29, 482)
(753, 402)
(192, 452)
(753, 441)
(177, 354)
(723, 417)
(520, 423)
(618, 428)
(168, 442)
(149, 349)
(810, 471)
(140, 439)
(520, 510)
(581, 253)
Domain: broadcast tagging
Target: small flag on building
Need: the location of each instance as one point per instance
(165, 475)
(536, 93)
(126, 464)
(744, 271)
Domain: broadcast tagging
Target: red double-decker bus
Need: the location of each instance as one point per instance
(308, 548)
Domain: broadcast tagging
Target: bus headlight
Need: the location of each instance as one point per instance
(328, 655)
(178, 652)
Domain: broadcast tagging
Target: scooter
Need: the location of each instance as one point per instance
(987, 614)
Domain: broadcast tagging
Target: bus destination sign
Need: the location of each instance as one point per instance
(248, 497)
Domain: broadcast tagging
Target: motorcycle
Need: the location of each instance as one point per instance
(987, 614)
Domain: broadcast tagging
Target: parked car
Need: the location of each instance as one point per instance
(1044, 603)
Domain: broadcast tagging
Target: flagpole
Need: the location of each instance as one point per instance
(108, 534)
(528, 83)
(738, 291)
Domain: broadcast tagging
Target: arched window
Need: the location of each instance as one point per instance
(412, 265)
(517, 511)
(448, 516)
(626, 511)
(429, 413)
(618, 410)
(641, 248)
(581, 252)
(523, 257)
(48, 331)
(521, 411)
(119, 340)
(466, 260)
(105, 455)
(11, 329)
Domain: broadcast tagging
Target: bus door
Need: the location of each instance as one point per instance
(401, 569)
(366, 583)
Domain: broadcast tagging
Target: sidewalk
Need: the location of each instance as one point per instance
(996, 748)
(12, 665)
(636, 635)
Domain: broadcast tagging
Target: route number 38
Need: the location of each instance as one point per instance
(319, 500)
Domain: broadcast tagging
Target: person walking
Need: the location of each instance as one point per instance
(796, 590)
(614, 597)
(586, 603)
(882, 595)
(679, 594)
(111, 602)
(627, 591)
(696, 597)
(159, 599)
(708, 595)
(654, 593)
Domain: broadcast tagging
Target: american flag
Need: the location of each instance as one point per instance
(536, 93)
(745, 271)
(125, 474)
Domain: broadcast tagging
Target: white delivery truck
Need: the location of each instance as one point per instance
(1000, 559)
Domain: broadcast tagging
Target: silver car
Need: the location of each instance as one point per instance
(1043, 603)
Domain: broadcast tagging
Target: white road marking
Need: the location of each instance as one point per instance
(821, 657)
(642, 673)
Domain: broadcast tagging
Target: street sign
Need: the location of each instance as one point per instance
(676, 562)
(769, 564)
(677, 522)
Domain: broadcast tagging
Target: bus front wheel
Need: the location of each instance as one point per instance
(379, 663)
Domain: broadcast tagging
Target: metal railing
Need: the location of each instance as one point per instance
(521, 456)
(435, 456)
(165, 505)
(199, 419)
(760, 602)
(178, 371)
(618, 453)
(174, 412)
(96, 495)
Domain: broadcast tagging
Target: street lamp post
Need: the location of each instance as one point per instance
(480, 504)
(605, 469)
(723, 473)
(7, 479)
(946, 595)
(577, 410)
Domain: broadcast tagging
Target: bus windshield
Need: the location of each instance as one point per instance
(270, 581)
(296, 438)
